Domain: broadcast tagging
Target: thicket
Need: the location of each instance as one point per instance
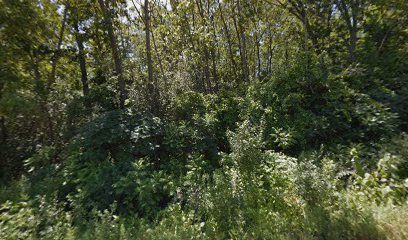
(313, 148)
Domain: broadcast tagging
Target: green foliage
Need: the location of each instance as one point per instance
(398, 148)
(35, 219)
(238, 120)
(383, 184)
(175, 224)
(301, 111)
(263, 194)
(116, 155)
(256, 193)
(187, 105)
(144, 189)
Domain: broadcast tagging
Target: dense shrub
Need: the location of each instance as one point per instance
(304, 112)
(255, 193)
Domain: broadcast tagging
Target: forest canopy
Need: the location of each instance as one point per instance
(203, 119)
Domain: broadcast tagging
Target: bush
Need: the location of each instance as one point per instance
(301, 113)
(35, 219)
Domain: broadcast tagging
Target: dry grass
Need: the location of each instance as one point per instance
(392, 221)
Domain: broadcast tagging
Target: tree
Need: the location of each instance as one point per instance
(107, 14)
(81, 50)
(152, 83)
(350, 11)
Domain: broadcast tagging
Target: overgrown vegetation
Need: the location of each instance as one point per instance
(203, 119)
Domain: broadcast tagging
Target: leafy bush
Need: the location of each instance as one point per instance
(263, 194)
(116, 155)
(301, 112)
(187, 105)
(36, 219)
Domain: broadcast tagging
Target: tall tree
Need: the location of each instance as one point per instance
(81, 58)
(107, 14)
(239, 26)
(350, 9)
(152, 83)
(57, 51)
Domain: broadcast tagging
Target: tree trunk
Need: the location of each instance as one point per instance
(242, 38)
(353, 38)
(3, 129)
(214, 69)
(351, 22)
(214, 50)
(55, 57)
(42, 94)
(115, 52)
(229, 42)
(82, 61)
(207, 71)
(159, 60)
(258, 55)
(152, 84)
(270, 50)
(207, 51)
